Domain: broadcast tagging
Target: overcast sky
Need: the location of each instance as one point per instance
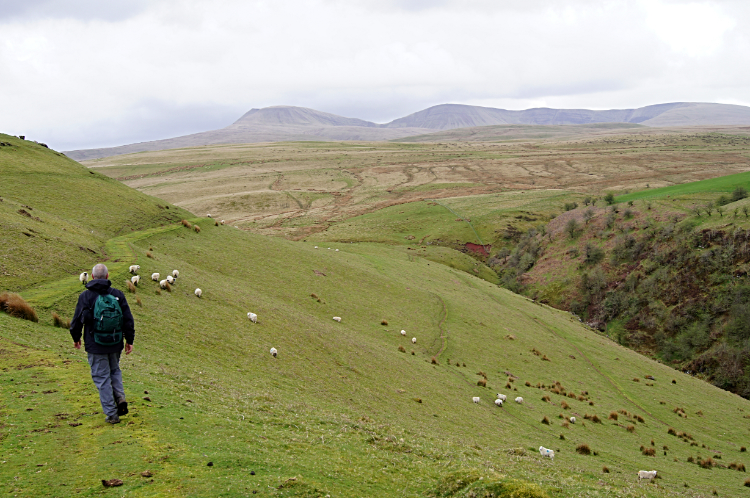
(93, 73)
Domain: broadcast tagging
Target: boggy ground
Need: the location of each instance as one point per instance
(297, 189)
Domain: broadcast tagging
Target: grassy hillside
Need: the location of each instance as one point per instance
(722, 184)
(342, 411)
(56, 215)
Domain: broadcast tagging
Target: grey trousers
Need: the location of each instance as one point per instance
(107, 376)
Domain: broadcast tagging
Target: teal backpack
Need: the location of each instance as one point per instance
(107, 320)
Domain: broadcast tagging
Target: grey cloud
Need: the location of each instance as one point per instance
(14, 10)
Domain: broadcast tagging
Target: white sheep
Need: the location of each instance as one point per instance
(170, 279)
(519, 400)
(163, 284)
(175, 273)
(475, 399)
(572, 420)
(546, 452)
(83, 277)
(208, 215)
(136, 280)
(316, 247)
(403, 333)
(134, 268)
(499, 402)
(274, 352)
(155, 277)
(252, 317)
(337, 318)
(222, 222)
(502, 397)
(198, 292)
(646, 474)
(413, 340)
(337, 250)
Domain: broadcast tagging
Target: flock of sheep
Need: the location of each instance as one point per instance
(546, 452)
(501, 398)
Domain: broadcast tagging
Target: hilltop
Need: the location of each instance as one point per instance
(288, 123)
(347, 409)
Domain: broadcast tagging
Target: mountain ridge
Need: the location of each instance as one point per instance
(291, 123)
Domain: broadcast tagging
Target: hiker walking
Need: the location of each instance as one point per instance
(104, 315)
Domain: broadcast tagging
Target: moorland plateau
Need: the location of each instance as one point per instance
(354, 408)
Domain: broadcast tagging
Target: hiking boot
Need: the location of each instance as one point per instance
(113, 419)
(122, 408)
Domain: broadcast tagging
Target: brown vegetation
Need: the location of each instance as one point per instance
(612, 416)
(17, 307)
(60, 322)
(583, 449)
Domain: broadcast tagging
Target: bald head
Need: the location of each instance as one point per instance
(100, 272)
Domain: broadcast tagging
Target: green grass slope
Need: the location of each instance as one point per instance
(56, 215)
(342, 411)
(722, 184)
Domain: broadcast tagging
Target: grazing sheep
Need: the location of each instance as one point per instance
(337, 250)
(337, 318)
(475, 399)
(519, 400)
(134, 268)
(208, 215)
(572, 420)
(252, 317)
(274, 352)
(155, 277)
(163, 284)
(316, 247)
(403, 333)
(413, 340)
(175, 273)
(83, 277)
(222, 222)
(499, 402)
(646, 474)
(198, 292)
(502, 397)
(170, 279)
(546, 452)
(136, 280)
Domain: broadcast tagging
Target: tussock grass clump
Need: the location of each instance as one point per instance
(536, 351)
(581, 398)
(383, 322)
(674, 381)
(564, 405)
(508, 385)
(139, 302)
(612, 416)
(566, 424)
(622, 412)
(605, 470)
(630, 428)
(572, 395)
(740, 467)
(402, 349)
(482, 382)
(545, 420)
(652, 443)
(640, 419)
(167, 287)
(60, 322)
(546, 398)
(149, 255)
(131, 287)
(197, 229)
(583, 449)
(413, 353)
(665, 447)
(636, 379)
(707, 463)
(690, 459)
(671, 432)
(17, 307)
(544, 358)
(186, 224)
(742, 449)
(216, 223)
(157, 292)
(562, 436)
(747, 482)
(595, 419)
(648, 451)
(528, 384)
(434, 361)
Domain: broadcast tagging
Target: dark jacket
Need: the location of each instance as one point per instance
(84, 317)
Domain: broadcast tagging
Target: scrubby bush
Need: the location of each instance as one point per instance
(739, 193)
(571, 228)
(609, 198)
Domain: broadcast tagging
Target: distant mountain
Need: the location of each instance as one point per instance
(452, 116)
(287, 123)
